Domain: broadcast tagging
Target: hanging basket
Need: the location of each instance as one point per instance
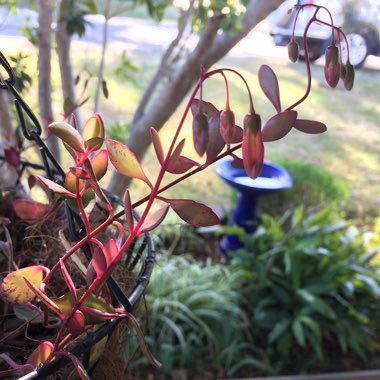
(139, 261)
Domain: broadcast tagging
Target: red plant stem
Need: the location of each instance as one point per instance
(227, 91)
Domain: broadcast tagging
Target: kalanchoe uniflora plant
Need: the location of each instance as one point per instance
(80, 309)
(334, 67)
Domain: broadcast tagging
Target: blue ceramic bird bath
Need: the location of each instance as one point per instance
(272, 179)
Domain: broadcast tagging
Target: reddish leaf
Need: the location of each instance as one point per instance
(40, 354)
(125, 161)
(179, 164)
(278, 126)
(194, 213)
(43, 297)
(31, 181)
(55, 187)
(269, 84)
(253, 146)
(68, 134)
(154, 220)
(99, 164)
(94, 129)
(12, 157)
(101, 315)
(128, 210)
(68, 280)
(238, 136)
(207, 108)
(29, 210)
(227, 126)
(216, 143)
(103, 257)
(76, 323)
(200, 133)
(79, 173)
(310, 126)
(157, 145)
(15, 290)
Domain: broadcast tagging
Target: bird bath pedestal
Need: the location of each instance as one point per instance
(272, 179)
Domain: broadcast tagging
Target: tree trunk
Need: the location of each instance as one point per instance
(63, 50)
(45, 17)
(211, 47)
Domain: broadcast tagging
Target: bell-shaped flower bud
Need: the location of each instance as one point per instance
(227, 126)
(293, 51)
(350, 76)
(200, 133)
(343, 71)
(332, 70)
(252, 146)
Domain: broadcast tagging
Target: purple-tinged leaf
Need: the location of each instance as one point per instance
(253, 146)
(227, 125)
(29, 210)
(279, 126)
(157, 145)
(55, 187)
(125, 161)
(102, 258)
(238, 136)
(31, 181)
(15, 290)
(179, 164)
(207, 108)
(237, 162)
(19, 369)
(12, 157)
(40, 354)
(99, 164)
(194, 213)
(216, 142)
(128, 210)
(200, 133)
(310, 126)
(269, 84)
(154, 220)
(68, 134)
(68, 280)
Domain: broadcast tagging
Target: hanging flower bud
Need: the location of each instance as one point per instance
(293, 51)
(200, 133)
(252, 146)
(350, 76)
(332, 70)
(343, 71)
(227, 126)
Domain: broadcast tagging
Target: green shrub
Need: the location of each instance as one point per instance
(312, 185)
(195, 322)
(311, 291)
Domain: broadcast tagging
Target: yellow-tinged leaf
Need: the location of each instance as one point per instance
(125, 161)
(93, 131)
(99, 164)
(68, 134)
(15, 290)
(40, 354)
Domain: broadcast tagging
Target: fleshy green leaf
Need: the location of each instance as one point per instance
(40, 354)
(15, 290)
(125, 161)
(194, 213)
(157, 145)
(310, 126)
(154, 220)
(278, 126)
(269, 84)
(68, 134)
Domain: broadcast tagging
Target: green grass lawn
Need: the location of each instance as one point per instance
(350, 148)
